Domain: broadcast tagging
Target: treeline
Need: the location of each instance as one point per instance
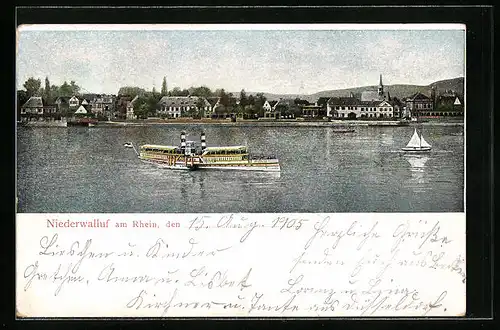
(49, 92)
(146, 104)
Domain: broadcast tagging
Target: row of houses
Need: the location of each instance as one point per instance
(114, 106)
(350, 107)
(369, 104)
(37, 106)
(94, 103)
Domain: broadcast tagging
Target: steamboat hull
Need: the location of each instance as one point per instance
(178, 166)
(188, 166)
(245, 167)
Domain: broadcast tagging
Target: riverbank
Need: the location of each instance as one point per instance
(281, 123)
(260, 123)
(44, 123)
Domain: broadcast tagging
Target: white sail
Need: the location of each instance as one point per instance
(424, 143)
(414, 141)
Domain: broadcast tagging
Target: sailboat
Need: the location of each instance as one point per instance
(417, 144)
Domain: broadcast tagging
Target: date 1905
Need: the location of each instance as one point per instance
(288, 223)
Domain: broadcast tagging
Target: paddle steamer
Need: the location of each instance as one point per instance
(189, 156)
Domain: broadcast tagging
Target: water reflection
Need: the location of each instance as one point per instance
(328, 139)
(417, 162)
(187, 185)
(238, 177)
(418, 170)
(387, 139)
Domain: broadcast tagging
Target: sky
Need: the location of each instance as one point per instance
(281, 61)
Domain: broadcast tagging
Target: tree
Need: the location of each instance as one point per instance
(65, 89)
(140, 107)
(131, 91)
(32, 86)
(202, 91)
(164, 90)
(200, 104)
(250, 110)
(220, 110)
(47, 91)
(175, 92)
(178, 92)
(22, 97)
(284, 109)
(152, 103)
(224, 98)
(54, 91)
(243, 98)
(259, 104)
(75, 89)
(192, 112)
(251, 100)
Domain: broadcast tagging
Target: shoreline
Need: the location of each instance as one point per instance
(343, 123)
(246, 123)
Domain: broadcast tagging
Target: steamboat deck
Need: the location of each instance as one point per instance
(188, 156)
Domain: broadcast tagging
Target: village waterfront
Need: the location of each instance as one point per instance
(82, 169)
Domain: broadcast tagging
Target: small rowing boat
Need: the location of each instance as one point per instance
(343, 130)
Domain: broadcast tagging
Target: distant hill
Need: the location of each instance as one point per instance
(456, 84)
(400, 91)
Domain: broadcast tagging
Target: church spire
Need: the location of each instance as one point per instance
(380, 87)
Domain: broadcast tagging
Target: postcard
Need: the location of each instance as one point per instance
(240, 170)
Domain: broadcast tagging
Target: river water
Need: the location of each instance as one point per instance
(78, 169)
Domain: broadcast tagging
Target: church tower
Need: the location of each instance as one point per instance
(433, 97)
(380, 87)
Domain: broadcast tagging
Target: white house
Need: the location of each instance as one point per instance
(74, 102)
(350, 107)
(267, 106)
(81, 110)
(33, 106)
(130, 109)
(102, 103)
(176, 106)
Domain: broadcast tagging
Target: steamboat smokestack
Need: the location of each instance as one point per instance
(183, 140)
(203, 142)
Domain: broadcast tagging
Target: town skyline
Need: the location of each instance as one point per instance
(271, 61)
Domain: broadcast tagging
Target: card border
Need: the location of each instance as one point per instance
(479, 84)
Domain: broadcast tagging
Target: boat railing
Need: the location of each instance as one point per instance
(269, 158)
